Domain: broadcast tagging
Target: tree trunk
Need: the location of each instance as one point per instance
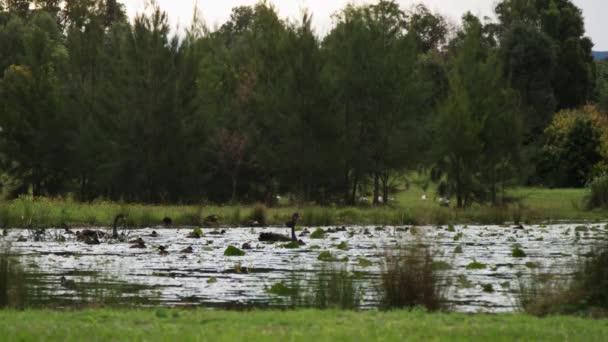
(376, 189)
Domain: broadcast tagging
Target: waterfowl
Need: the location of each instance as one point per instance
(305, 232)
(215, 232)
(187, 250)
(162, 250)
(153, 234)
(119, 217)
(138, 240)
(68, 283)
(21, 239)
(139, 243)
(274, 237)
(246, 245)
(167, 221)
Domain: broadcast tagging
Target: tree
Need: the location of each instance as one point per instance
(575, 147)
(429, 30)
(529, 59)
(563, 23)
(35, 128)
(477, 132)
(601, 87)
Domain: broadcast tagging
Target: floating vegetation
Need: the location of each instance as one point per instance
(476, 266)
(233, 251)
(458, 236)
(343, 246)
(451, 228)
(464, 283)
(458, 250)
(532, 265)
(487, 288)
(281, 289)
(441, 266)
(518, 253)
(212, 280)
(581, 229)
(364, 262)
(326, 256)
(291, 245)
(318, 234)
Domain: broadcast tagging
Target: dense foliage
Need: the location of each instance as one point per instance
(97, 106)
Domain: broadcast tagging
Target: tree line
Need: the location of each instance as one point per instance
(95, 105)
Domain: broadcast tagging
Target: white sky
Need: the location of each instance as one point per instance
(216, 12)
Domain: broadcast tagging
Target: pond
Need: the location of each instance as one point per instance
(64, 266)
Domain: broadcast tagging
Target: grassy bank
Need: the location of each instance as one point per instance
(534, 206)
(197, 325)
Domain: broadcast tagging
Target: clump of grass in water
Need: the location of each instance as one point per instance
(335, 288)
(409, 279)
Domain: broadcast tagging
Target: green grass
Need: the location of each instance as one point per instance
(536, 205)
(305, 325)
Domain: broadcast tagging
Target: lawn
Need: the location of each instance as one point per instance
(536, 205)
(305, 325)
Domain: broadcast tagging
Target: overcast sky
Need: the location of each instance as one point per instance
(216, 12)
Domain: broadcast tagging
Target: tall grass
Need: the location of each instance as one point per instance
(410, 280)
(586, 292)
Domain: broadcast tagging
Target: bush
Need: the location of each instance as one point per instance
(598, 193)
(410, 279)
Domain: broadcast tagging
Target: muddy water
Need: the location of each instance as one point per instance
(207, 277)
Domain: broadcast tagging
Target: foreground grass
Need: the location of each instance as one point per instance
(534, 206)
(306, 325)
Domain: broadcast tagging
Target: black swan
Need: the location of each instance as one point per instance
(274, 237)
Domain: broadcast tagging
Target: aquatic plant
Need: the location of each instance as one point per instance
(281, 289)
(326, 256)
(291, 245)
(441, 265)
(233, 251)
(487, 288)
(318, 234)
(343, 246)
(364, 262)
(409, 280)
(518, 253)
(476, 266)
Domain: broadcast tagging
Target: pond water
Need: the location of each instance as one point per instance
(207, 277)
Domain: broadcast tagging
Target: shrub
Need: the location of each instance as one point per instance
(409, 280)
(598, 193)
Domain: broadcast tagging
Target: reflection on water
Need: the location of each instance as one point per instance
(60, 271)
